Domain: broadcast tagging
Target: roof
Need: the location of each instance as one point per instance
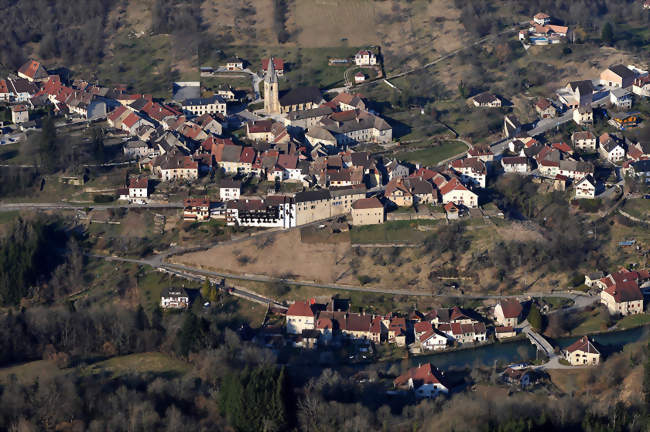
(288, 161)
(622, 71)
(196, 202)
(259, 126)
(33, 69)
(625, 291)
(278, 63)
(131, 120)
(584, 86)
(485, 98)
(301, 95)
(424, 374)
(511, 308)
(514, 160)
(541, 15)
(583, 344)
(504, 329)
(543, 104)
(451, 185)
(173, 292)
(214, 99)
(300, 308)
(367, 203)
(315, 195)
(139, 183)
(228, 183)
(583, 135)
(358, 322)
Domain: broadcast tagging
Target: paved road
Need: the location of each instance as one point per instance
(545, 125)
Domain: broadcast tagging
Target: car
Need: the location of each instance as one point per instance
(646, 197)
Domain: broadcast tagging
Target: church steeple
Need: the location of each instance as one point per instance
(271, 91)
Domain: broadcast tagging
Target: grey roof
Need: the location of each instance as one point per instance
(186, 92)
(622, 71)
(320, 133)
(347, 190)
(203, 101)
(231, 153)
(485, 98)
(310, 113)
(620, 92)
(642, 166)
(230, 184)
(301, 95)
(585, 86)
(271, 77)
(139, 104)
(609, 145)
(363, 120)
(579, 166)
(315, 195)
(136, 144)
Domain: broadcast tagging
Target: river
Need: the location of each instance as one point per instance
(514, 352)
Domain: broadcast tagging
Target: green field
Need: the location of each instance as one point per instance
(433, 155)
(391, 232)
(639, 208)
(152, 362)
(633, 321)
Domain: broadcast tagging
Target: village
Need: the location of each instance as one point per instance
(301, 157)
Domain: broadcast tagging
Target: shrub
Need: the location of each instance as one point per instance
(103, 198)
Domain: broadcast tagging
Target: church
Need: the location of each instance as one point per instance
(301, 98)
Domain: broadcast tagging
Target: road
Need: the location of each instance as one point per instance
(4, 207)
(545, 125)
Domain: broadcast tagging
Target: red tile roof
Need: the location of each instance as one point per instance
(278, 64)
(452, 185)
(511, 308)
(424, 374)
(30, 68)
(583, 344)
(247, 155)
(300, 308)
(196, 202)
(117, 112)
(138, 183)
(260, 126)
(131, 120)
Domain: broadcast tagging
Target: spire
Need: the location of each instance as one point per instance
(271, 76)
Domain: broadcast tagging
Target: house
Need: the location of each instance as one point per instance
(641, 86)
(300, 317)
(234, 64)
(624, 120)
(508, 312)
(610, 148)
(365, 58)
(453, 213)
(349, 101)
(196, 209)
(396, 170)
(367, 211)
(356, 126)
(359, 77)
(621, 98)
(278, 64)
(174, 165)
(454, 191)
(504, 332)
(618, 76)
(432, 339)
(312, 206)
(623, 296)
(19, 89)
(582, 352)
(545, 108)
(638, 151)
(486, 100)
(229, 189)
(577, 94)
(357, 326)
(586, 188)
(228, 157)
(174, 298)
(396, 330)
(640, 169)
(33, 71)
(139, 189)
(471, 170)
(646, 4)
(305, 119)
(584, 140)
(200, 106)
(426, 380)
(541, 19)
(19, 114)
(138, 149)
(398, 193)
(274, 211)
(583, 115)
(515, 164)
(591, 278)
(482, 153)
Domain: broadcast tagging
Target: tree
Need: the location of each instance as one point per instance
(607, 34)
(97, 142)
(535, 318)
(47, 143)
(205, 289)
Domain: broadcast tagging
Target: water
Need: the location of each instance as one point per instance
(522, 350)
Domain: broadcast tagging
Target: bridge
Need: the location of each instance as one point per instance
(538, 340)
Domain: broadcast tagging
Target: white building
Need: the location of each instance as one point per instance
(621, 98)
(174, 298)
(212, 105)
(19, 114)
(516, 164)
(299, 317)
(365, 58)
(586, 188)
(139, 189)
(229, 189)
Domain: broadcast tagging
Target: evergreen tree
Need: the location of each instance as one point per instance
(48, 145)
(205, 289)
(97, 141)
(535, 318)
(607, 34)
(188, 334)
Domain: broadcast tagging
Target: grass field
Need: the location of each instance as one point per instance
(28, 372)
(390, 232)
(633, 321)
(433, 155)
(639, 208)
(152, 362)
(592, 322)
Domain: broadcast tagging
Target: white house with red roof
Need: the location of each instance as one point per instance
(19, 114)
(32, 71)
(471, 170)
(582, 352)
(365, 58)
(426, 380)
(300, 317)
(508, 312)
(454, 191)
(139, 189)
(621, 293)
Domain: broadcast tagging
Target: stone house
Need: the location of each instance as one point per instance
(582, 352)
(367, 211)
(299, 317)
